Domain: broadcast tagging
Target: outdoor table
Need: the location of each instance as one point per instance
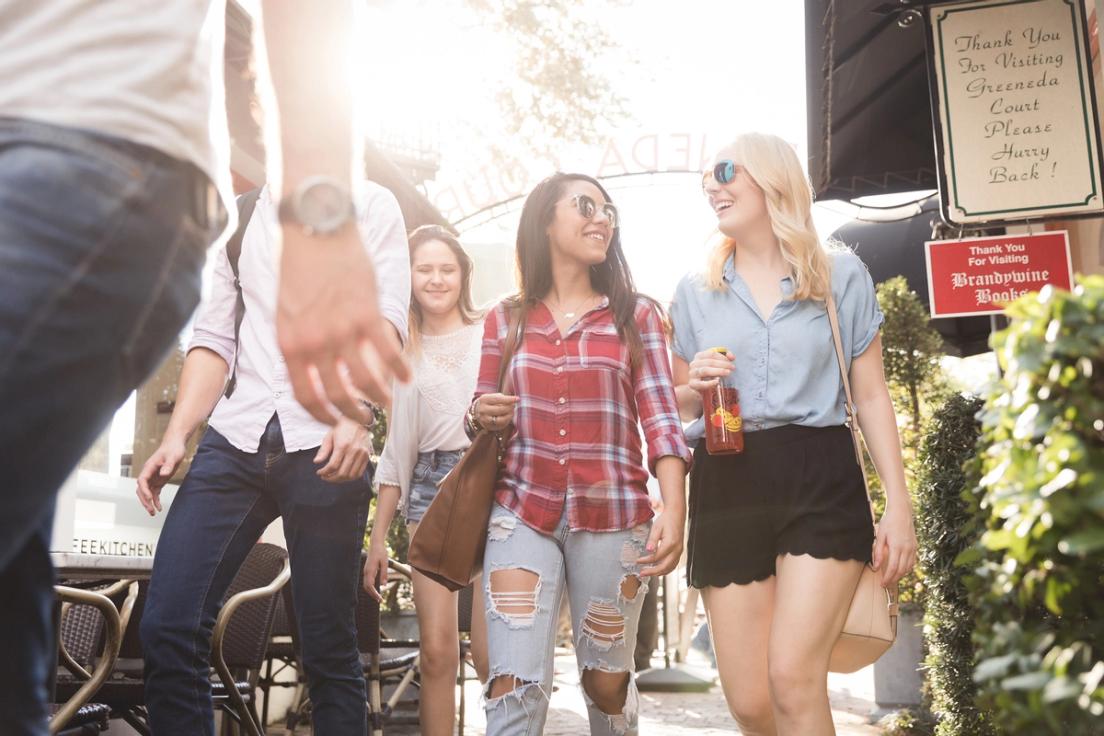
(78, 566)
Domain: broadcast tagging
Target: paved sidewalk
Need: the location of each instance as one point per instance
(669, 714)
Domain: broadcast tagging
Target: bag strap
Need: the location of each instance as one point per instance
(246, 204)
(849, 405)
(514, 334)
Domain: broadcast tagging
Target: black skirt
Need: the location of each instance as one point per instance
(794, 490)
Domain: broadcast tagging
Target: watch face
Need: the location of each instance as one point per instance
(323, 205)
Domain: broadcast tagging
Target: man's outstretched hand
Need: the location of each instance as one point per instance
(329, 326)
(157, 471)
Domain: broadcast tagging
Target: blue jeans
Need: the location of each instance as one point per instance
(101, 246)
(599, 573)
(225, 502)
(430, 469)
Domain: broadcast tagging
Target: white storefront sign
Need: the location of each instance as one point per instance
(1017, 117)
(99, 514)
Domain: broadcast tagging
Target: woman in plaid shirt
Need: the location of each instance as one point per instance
(572, 509)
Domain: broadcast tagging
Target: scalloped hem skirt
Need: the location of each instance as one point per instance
(794, 490)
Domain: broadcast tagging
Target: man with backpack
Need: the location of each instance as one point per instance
(263, 456)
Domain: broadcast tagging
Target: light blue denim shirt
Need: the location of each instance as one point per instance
(785, 369)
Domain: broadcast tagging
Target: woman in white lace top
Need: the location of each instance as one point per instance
(425, 440)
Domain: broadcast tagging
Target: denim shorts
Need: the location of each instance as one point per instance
(430, 469)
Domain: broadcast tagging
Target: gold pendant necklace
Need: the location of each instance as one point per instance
(573, 312)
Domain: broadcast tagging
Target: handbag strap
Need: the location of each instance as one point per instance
(849, 403)
(513, 342)
(514, 333)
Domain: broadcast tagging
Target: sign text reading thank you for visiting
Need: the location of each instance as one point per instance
(1016, 111)
(980, 275)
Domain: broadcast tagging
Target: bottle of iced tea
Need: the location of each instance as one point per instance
(724, 428)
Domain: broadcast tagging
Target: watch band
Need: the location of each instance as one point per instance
(317, 217)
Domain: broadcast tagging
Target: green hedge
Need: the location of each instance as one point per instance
(911, 349)
(946, 525)
(1039, 585)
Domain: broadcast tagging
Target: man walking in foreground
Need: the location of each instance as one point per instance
(114, 180)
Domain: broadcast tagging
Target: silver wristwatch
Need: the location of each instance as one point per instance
(319, 204)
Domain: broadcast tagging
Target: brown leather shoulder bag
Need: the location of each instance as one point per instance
(448, 544)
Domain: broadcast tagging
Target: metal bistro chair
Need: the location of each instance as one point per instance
(237, 649)
(283, 655)
(401, 669)
(90, 635)
(123, 690)
(242, 631)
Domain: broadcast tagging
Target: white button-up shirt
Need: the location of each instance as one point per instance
(263, 386)
(147, 71)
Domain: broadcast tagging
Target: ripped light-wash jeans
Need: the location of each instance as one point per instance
(599, 573)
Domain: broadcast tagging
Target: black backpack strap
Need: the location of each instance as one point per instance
(246, 204)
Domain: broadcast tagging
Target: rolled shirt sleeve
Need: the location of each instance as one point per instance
(682, 321)
(860, 315)
(214, 324)
(655, 391)
(384, 232)
(400, 451)
(387, 472)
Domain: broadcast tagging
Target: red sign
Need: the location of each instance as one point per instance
(981, 275)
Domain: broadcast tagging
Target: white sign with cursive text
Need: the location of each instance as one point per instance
(1016, 110)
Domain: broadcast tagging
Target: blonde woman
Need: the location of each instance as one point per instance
(779, 534)
(425, 440)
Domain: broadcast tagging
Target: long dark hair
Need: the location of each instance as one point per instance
(468, 312)
(611, 278)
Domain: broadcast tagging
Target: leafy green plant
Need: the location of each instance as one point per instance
(910, 351)
(1040, 562)
(908, 722)
(948, 523)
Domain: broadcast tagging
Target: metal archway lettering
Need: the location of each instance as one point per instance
(489, 213)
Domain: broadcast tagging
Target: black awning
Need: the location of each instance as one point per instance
(896, 248)
(869, 115)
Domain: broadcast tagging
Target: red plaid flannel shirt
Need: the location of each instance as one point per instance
(577, 441)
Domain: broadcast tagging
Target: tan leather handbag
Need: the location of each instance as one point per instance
(871, 625)
(450, 539)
